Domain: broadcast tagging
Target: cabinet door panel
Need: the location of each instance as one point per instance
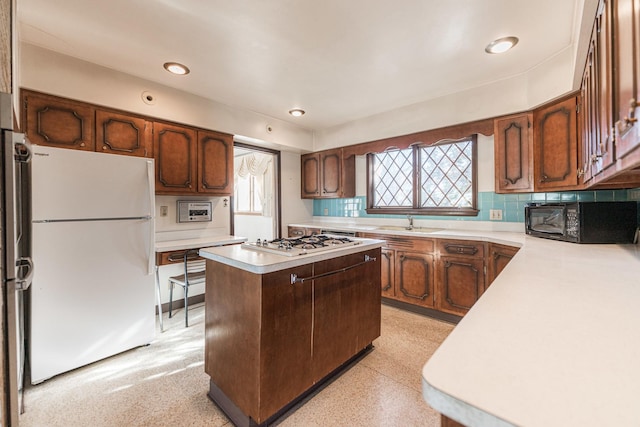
(57, 122)
(123, 134)
(555, 146)
(499, 257)
(286, 339)
(349, 298)
(310, 165)
(387, 273)
(175, 151)
(513, 156)
(330, 173)
(461, 282)
(415, 277)
(215, 163)
(627, 71)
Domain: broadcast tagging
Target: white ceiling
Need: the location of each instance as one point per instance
(340, 60)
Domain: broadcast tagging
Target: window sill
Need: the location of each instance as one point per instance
(427, 211)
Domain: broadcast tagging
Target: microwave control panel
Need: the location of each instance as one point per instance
(572, 222)
(189, 211)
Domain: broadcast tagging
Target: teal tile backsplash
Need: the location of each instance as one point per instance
(512, 205)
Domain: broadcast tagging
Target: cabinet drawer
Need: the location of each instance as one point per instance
(403, 243)
(173, 257)
(461, 247)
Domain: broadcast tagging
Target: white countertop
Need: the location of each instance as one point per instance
(263, 262)
(200, 242)
(554, 341)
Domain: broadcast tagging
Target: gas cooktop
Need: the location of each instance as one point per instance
(300, 245)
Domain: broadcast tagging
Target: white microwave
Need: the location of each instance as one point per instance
(193, 211)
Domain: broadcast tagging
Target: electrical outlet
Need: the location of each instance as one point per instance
(326, 211)
(495, 214)
(164, 210)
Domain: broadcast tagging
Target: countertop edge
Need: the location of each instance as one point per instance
(262, 263)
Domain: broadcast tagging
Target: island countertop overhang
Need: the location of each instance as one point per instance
(263, 262)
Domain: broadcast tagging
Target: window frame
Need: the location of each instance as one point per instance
(415, 209)
(252, 195)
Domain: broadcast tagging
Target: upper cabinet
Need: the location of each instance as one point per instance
(58, 122)
(188, 161)
(215, 163)
(537, 151)
(626, 66)
(191, 161)
(596, 118)
(118, 133)
(64, 123)
(175, 153)
(327, 174)
(555, 146)
(513, 138)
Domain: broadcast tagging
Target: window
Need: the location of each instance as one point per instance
(436, 179)
(247, 195)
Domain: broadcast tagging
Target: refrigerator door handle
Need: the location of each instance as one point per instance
(152, 207)
(24, 272)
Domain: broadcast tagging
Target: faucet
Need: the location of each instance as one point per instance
(410, 218)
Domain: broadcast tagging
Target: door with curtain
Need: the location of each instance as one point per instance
(256, 213)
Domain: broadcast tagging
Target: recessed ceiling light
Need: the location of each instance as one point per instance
(501, 45)
(297, 112)
(176, 68)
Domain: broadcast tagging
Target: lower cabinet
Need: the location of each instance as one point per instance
(461, 275)
(499, 257)
(447, 275)
(415, 278)
(461, 282)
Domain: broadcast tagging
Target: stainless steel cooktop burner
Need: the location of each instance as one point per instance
(300, 245)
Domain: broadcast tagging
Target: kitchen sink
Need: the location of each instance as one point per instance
(404, 228)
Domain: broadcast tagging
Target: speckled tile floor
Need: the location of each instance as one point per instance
(164, 384)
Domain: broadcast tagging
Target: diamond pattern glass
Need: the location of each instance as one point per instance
(446, 175)
(393, 178)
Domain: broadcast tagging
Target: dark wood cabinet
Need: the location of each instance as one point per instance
(446, 275)
(460, 275)
(267, 341)
(387, 272)
(555, 146)
(513, 139)
(175, 151)
(499, 257)
(350, 298)
(415, 278)
(192, 161)
(327, 174)
(58, 122)
(215, 163)
(596, 117)
(626, 67)
(125, 134)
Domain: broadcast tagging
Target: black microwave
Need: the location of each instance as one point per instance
(583, 222)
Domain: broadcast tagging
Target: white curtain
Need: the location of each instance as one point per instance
(260, 166)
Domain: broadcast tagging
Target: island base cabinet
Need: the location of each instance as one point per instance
(346, 310)
(269, 338)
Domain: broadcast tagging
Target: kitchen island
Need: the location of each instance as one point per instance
(277, 327)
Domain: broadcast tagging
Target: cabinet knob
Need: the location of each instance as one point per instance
(104, 147)
(82, 144)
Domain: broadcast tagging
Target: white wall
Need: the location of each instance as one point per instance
(294, 209)
(548, 80)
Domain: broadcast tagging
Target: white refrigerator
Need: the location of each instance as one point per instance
(92, 294)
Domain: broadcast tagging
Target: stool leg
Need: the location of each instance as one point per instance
(186, 306)
(170, 298)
